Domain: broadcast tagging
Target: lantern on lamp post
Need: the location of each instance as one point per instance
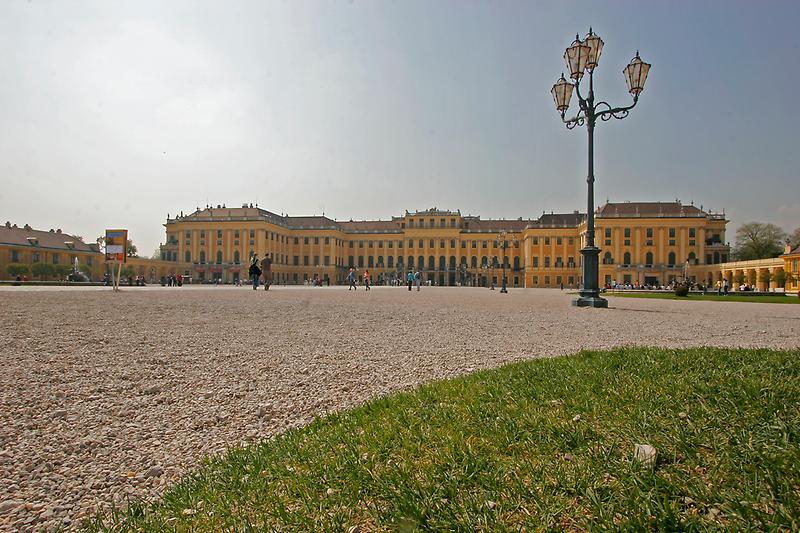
(581, 57)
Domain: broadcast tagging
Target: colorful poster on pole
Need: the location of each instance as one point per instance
(116, 245)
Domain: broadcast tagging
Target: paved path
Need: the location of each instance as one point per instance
(104, 395)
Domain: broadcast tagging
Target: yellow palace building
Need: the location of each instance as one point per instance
(641, 242)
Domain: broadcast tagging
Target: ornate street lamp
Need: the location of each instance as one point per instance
(505, 238)
(583, 56)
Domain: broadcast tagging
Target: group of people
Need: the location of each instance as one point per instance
(173, 280)
(352, 278)
(259, 269)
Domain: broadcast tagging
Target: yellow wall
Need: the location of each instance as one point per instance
(30, 255)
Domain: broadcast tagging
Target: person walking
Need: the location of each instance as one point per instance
(266, 271)
(254, 271)
(417, 278)
(366, 280)
(410, 280)
(725, 287)
(351, 277)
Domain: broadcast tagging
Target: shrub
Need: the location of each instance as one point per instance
(682, 289)
(17, 269)
(43, 270)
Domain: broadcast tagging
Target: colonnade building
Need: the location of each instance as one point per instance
(640, 242)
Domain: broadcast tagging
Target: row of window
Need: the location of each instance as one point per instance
(420, 223)
(608, 259)
(55, 258)
(558, 240)
(559, 280)
(559, 263)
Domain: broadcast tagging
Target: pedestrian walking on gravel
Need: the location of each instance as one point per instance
(367, 279)
(254, 271)
(351, 277)
(266, 271)
(410, 280)
(417, 278)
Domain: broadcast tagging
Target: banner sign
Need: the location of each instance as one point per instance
(116, 245)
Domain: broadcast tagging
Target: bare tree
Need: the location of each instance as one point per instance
(758, 240)
(794, 238)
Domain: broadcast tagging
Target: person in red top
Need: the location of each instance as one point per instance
(366, 280)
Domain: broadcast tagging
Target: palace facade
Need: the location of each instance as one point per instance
(640, 242)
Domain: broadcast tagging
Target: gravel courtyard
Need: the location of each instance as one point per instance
(107, 396)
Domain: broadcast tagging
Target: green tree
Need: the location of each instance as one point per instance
(127, 272)
(739, 278)
(43, 270)
(61, 271)
(757, 240)
(17, 269)
(132, 250)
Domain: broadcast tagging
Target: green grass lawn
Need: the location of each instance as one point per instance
(731, 297)
(545, 444)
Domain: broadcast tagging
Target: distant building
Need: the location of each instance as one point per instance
(27, 246)
(640, 242)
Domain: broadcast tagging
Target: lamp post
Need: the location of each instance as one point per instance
(583, 56)
(504, 238)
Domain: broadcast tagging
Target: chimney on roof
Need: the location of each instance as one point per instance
(51, 230)
(575, 212)
(58, 230)
(8, 224)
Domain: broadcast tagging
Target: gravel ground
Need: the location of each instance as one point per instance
(107, 396)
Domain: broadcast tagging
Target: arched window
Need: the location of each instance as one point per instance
(187, 257)
(484, 261)
(692, 258)
(390, 261)
(370, 261)
(626, 259)
(671, 259)
(452, 262)
(442, 262)
(464, 260)
(236, 257)
(219, 258)
(495, 262)
(202, 257)
(360, 261)
(431, 262)
(474, 261)
(608, 259)
(399, 260)
(410, 261)
(421, 262)
(648, 258)
(516, 263)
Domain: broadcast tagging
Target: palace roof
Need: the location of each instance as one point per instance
(369, 226)
(648, 209)
(470, 224)
(478, 225)
(313, 222)
(55, 239)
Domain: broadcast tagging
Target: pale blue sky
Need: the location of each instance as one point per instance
(116, 113)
